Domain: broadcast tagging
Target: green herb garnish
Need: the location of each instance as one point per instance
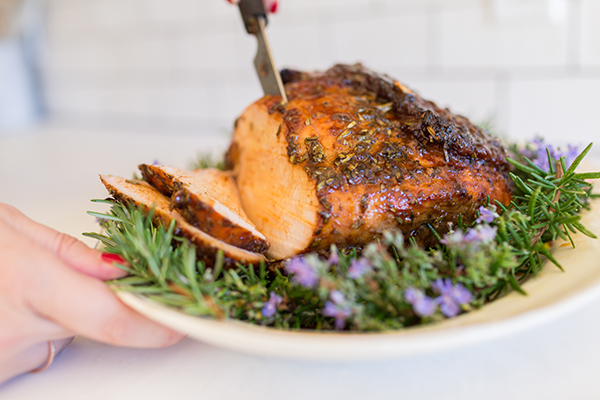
(392, 284)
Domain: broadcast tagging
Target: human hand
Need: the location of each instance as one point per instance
(51, 289)
(270, 5)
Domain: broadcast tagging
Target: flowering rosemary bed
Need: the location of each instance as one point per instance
(392, 284)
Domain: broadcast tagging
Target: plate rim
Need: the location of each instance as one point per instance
(460, 331)
(421, 339)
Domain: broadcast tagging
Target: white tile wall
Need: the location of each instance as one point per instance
(532, 65)
(515, 37)
(383, 41)
(562, 110)
(475, 98)
(590, 33)
(116, 14)
(295, 46)
(173, 11)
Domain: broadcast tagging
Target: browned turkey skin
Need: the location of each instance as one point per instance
(379, 156)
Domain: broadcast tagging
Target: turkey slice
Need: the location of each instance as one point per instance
(209, 200)
(140, 193)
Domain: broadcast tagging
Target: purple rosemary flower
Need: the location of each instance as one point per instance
(474, 236)
(270, 306)
(337, 297)
(155, 162)
(537, 152)
(423, 306)
(571, 154)
(486, 215)
(451, 296)
(358, 268)
(481, 234)
(455, 238)
(334, 257)
(304, 274)
(336, 308)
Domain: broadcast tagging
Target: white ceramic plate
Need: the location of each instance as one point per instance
(551, 294)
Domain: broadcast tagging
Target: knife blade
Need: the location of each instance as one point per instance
(255, 19)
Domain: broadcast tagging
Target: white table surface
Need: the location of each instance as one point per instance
(51, 174)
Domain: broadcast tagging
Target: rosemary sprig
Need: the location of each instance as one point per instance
(392, 284)
(203, 161)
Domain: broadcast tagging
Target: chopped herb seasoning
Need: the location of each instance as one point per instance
(364, 202)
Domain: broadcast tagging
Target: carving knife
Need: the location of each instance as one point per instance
(255, 20)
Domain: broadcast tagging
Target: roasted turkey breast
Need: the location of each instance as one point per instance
(354, 154)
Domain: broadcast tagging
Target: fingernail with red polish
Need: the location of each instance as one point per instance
(112, 258)
(273, 7)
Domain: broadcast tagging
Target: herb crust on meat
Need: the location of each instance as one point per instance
(375, 157)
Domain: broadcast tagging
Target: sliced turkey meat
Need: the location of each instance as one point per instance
(140, 193)
(209, 200)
